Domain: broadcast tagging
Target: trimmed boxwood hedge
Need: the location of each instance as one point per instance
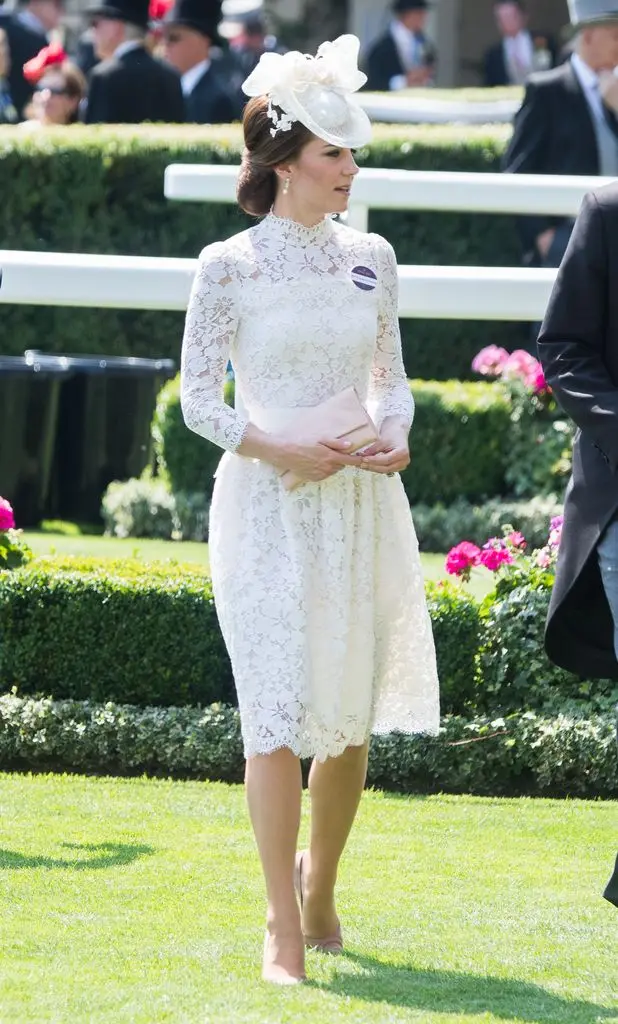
(138, 633)
(523, 754)
(100, 190)
(459, 442)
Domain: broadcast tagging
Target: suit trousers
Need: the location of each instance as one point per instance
(607, 552)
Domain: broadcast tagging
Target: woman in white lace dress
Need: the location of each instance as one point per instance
(319, 589)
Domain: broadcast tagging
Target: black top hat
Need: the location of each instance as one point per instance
(133, 11)
(410, 5)
(202, 15)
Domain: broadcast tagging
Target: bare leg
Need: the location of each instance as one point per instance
(335, 787)
(274, 791)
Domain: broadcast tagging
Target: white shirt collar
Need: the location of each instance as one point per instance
(191, 77)
(588, 79)
(30, 20)
(127, 47)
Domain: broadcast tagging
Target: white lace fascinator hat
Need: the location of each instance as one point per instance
(317, 91)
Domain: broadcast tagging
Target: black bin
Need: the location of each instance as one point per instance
(29, 404)
(103, 432)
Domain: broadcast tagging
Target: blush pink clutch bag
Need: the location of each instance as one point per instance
(343, 417)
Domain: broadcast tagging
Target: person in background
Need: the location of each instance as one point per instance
(578, 347)
(564, 125)
(8, 111)
(253, 40)
(403, 57)
(129, 86)
(28, 30)
(59, 88)
(189, 32)
(520, 51)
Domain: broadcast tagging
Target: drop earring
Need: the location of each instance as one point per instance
(286, 186)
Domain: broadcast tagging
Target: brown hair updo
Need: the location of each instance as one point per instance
(257, 182)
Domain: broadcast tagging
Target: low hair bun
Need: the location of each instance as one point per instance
(257, 182)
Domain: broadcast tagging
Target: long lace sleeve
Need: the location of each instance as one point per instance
(389, 392)
(210, 328)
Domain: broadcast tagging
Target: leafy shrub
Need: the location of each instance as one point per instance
(456, 629)
(104, 630)
(100, 190)
(521, 754)
(138, 508)
(13, 549)
(439, 527)
(143, 507)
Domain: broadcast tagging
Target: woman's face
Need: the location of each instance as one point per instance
(51, 101)
(321, 177)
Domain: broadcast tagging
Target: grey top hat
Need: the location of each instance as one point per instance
(592, 12)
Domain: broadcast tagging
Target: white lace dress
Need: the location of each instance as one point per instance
(319, 591)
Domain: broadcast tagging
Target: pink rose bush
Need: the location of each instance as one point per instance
(13, 551)
(504, 553)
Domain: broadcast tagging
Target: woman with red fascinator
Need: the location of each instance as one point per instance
(59, 88)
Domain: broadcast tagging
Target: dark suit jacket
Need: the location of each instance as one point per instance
(553, 133)
(209, 103)
(24, 44)
(578, 346)
(495, 71)
(383, 62)
(133, 88)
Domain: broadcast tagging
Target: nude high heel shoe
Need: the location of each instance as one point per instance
(332, 944)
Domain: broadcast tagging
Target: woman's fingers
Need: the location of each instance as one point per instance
(386, 462)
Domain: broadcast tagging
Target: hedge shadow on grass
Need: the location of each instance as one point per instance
(110, 855)
(454, 992)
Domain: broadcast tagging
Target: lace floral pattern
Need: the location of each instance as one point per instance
(319, 591)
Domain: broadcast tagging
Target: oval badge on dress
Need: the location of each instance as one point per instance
(364, 278)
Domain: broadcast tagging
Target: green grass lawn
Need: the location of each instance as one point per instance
(138, 902)
(43, 543)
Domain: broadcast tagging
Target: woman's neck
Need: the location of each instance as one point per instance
(290, 210)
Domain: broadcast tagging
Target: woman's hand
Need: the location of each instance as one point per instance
(313, 461)
(389, 455)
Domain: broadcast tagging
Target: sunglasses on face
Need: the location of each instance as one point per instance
(53, 90)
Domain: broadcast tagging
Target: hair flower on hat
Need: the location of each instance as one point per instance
(317, 91)
(34, 69)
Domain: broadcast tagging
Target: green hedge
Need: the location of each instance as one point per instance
(155, 633)
(100, 190)
(521, 754)
(459, 442)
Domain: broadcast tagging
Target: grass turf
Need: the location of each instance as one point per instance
(44, 543)
(140, 901)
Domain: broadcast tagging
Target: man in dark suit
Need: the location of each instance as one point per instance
(578, 347)
(27, 31)
(520, 52)
(189, 31)
(564, 125)
(129, 86)
(403, 57)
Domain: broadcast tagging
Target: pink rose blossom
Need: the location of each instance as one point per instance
(490, 361)
(540, 385)
(462, 558)
(555, 532)
(516, 540)
(7, 519)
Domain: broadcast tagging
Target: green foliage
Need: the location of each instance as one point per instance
(105, 630)
(455, 621)
(539, 445)
(440, 527)
(100, 190)
(513, 669)
(459, 441)
(13, 550)
(184, 458)
(145, 507)
(520, 754)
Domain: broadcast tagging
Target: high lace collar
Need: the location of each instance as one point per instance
(294, 231)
